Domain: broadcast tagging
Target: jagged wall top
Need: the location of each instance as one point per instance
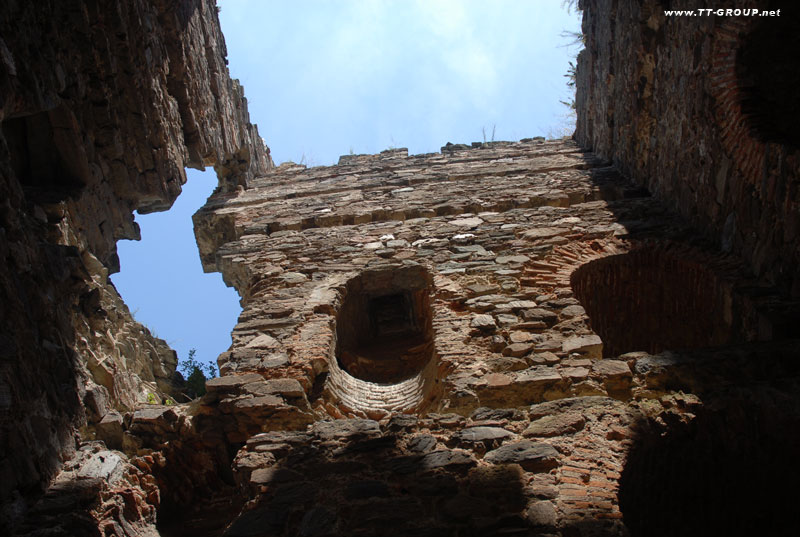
(102, 106)
(137, 92)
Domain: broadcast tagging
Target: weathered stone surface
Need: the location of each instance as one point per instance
(264, 476)
(96, 488)
(402, 421)
(590, 346)
(486, 414)
(329, 430)
(110, 106)
(616, 374)
(263, 341)
(109, 429)
(105, 465)
(718, 141)
(232, 383)
(538, 345)
(530, 238)
(283, 387)
(532, 456)
(422, 443)
(253, 405)
(542, 515)
(544, 233)
(555, 425)
(572, 405)
(446, 459)
(537, 377)
(472, 435)
(575, 374)
(483, 322)
(572, 311)
(470, 223)
(154, 420)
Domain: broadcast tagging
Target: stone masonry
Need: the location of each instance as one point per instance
(102, 106)
(540, 338)
(575, 320)
(701, 111)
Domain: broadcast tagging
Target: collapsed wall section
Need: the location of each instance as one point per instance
(102, 107)
(695, 108)
(561, 301)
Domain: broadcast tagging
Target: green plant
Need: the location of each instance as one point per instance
(566, 126)
(571, 80)
(151, 398)
(196, 373)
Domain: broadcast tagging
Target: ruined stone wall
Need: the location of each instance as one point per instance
(522, 406)
(696, 109)
(581, 334)
(102, 106)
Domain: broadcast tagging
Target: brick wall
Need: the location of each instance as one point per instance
(669, 101)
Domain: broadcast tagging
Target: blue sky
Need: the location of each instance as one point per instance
(325, 78)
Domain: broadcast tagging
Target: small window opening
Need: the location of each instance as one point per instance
(384, 329)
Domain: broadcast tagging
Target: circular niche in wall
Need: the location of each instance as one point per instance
(768, 73)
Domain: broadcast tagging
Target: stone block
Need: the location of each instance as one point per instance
(231, 383)
(109, 429)
(345, 428)
(532, 456)
(555, 425)
(591, 346)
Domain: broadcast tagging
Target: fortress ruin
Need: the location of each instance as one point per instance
(588, 336)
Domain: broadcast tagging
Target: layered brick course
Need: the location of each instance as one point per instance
(669, 100)
(526, 392)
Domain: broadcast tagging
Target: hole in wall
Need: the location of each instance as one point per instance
(652, 300)
(163, 284)
(769, 88)
(46, 155)
(384, 329)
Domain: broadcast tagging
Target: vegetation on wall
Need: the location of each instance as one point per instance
(196, 373)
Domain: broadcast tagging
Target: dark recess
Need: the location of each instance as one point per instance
(384, 329)
(768, 69)
(45, 156)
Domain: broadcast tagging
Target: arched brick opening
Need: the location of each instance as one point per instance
(768, 89)
(384, 332)
(384, 356)
(750, 131)
(653, 299)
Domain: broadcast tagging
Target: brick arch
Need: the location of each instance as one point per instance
(737, 130)
(656, 298)
(671, 274)
(665, 295)
(366, 385)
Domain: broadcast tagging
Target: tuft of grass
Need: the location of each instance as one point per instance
(483, 132)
